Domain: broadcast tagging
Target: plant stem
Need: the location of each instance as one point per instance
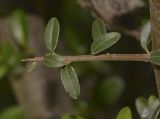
(155, 25)
(104, 57)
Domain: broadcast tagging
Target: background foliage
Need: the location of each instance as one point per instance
(106, 86)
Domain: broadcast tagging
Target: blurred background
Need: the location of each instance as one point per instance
(106, 87)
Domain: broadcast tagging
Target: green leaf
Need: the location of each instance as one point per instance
(152, 111)
(70, 81)
(145, 38)
(19, 27)
(151, 99)
(148, 109)
(53, 60)
(141, 105)
(110, 90)
(51, 34)
(125, 113)
(31, 66)
(7, 50)
(12, 113)
(105, 41)
(98, 28)
(155, 57)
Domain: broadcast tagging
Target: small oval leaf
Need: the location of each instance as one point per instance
(105, 41)
(98, 28)
(19, 27)
(31, 66)
(145, 38)
(141, 105)
(70, 81)
(125, 113)
(53, 60)
(155, 57)
(51, 34)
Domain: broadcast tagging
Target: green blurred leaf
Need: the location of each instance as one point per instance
(31, 66)
(105, 41)
(53, 60)
(141, 105)
(145, 38)
(155, 57)
(151, 99)
(51, 34)
(3, 70)
(98, 28)
(19, 27)
(110, 90)
(12, 113)
(125, 113)
(70, 81)
(81, 107)
(9, 56)
(71, 117)
(152, 111)
(6, 50)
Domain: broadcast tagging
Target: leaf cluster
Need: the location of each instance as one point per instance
(101, 41)
(12, 52)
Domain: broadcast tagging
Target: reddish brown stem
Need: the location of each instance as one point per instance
(104, 57)
(155, 25)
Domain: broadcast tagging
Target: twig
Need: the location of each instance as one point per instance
(104, 57)
(155, 25)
